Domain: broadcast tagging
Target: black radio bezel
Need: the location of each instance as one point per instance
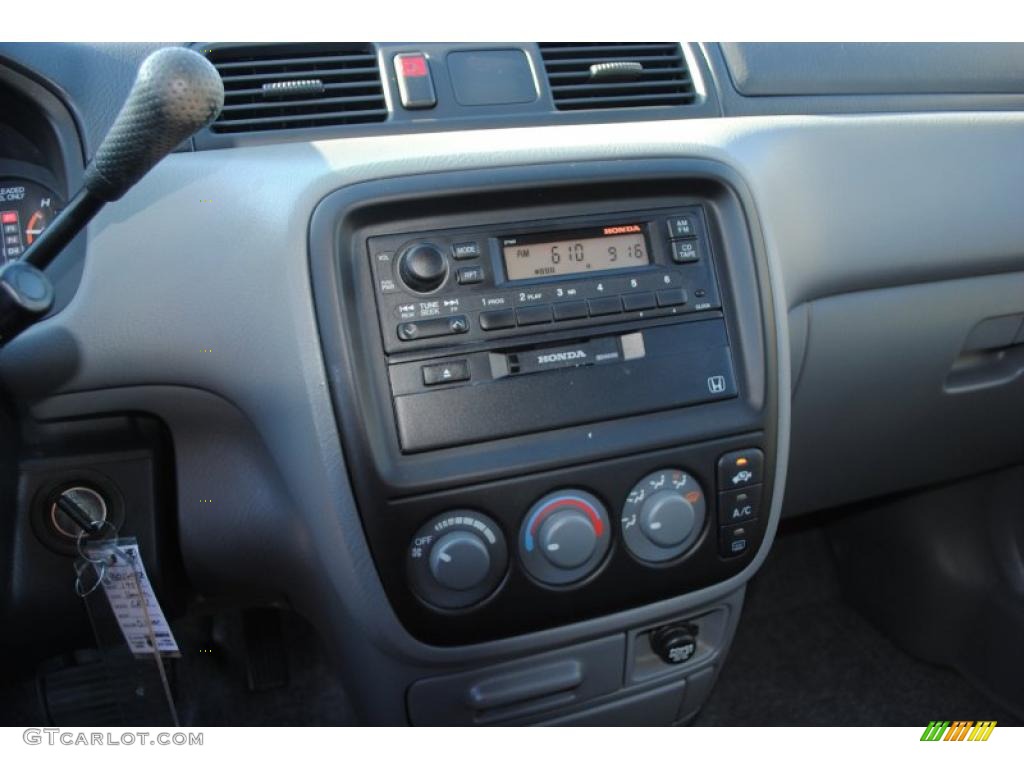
(396, 491)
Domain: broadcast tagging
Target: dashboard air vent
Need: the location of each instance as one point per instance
(616, 75)
(269, 87)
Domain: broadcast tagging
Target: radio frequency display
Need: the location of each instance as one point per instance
(592, 250)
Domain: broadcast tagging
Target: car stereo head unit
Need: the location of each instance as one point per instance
(446, 287)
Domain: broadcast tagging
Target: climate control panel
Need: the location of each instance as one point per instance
(459, 559)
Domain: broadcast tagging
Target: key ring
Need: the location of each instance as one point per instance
(80, 568)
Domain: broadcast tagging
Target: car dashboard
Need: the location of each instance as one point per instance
(502, 363)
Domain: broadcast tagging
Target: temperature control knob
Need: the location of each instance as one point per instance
(564, 537)
(457, 559)
(663, 515)
(422, 267)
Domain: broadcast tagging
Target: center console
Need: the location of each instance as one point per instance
(554, 388)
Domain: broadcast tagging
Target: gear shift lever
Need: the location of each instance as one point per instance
(176, 92)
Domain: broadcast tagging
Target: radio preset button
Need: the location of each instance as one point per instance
(638, 301)
(685, 251)
(533, 315)
(445, 373)
(470, 275)
(671, 297)
(466, 250)
(570, 310)
(682, 226)
(606, 305)
(497, 319)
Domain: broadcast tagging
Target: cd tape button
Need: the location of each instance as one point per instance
(685, 251)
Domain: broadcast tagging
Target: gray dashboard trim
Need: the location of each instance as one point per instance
(832, 69)
(168, 276)
(784, 89)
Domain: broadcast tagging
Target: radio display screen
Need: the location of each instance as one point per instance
(596, 249)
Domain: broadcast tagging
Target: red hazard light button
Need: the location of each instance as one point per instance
(415, 86)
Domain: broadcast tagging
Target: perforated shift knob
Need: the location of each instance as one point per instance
(176, 93)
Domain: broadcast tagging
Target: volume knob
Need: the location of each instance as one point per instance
(423, 268)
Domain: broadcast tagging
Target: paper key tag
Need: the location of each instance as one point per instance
(133, 601)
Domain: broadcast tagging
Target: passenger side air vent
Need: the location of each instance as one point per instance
(270, 87)
(617, 75)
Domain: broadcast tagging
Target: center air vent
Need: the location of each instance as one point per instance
(616, 75)
(269, 87)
